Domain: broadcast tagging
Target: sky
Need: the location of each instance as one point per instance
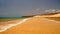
(13, 8)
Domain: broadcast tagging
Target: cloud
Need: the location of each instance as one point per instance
(47, 10)
(51, 11)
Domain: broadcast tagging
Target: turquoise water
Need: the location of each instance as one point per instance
(12, 17)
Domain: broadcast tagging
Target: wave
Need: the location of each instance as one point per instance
(7, 26)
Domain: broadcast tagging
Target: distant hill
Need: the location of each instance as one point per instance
(57, 14)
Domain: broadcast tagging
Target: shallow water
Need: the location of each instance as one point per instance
(5, 25)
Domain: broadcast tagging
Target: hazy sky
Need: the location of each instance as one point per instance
(11, 8)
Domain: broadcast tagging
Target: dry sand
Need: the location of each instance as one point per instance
(55, 15)
(35, 25)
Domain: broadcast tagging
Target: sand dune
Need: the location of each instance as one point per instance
(55, 15)
(35, 25)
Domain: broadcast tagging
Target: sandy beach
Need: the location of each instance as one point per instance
(35, 25)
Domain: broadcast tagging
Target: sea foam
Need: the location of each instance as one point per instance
(7, 26)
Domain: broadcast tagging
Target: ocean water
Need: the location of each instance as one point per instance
(4, 25)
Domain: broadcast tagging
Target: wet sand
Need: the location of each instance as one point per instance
(35, 25)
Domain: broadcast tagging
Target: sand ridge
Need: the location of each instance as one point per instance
(55, 15)
(48, 19)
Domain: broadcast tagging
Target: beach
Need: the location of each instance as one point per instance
(35, 25)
